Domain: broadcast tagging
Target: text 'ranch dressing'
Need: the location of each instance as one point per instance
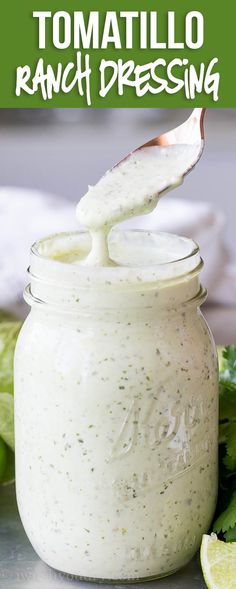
(116, 388)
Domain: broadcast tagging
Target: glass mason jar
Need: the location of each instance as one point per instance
(116, 408)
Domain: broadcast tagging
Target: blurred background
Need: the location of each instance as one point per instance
(61, 151)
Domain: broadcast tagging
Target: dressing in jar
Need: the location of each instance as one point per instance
(116, 407)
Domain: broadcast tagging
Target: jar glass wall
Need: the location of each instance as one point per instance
(116, 408)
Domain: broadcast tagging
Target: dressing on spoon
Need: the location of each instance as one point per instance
(134, 186)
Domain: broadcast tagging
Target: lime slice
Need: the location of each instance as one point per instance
(218, 560)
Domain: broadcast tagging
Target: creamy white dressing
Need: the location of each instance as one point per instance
(116, 388)
(131, 188)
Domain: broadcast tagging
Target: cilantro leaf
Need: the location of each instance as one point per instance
(231, 440)
(230, 463)
(226, 507)
(230, 536)
(223, 430)
(227, 401)
(227, 519)
(228, 366)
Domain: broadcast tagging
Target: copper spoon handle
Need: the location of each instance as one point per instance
(190, 132)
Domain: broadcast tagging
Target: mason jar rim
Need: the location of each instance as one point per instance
(179, 266)
(71, 286)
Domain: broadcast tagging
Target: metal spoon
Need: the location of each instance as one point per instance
(191, 132)
(99, 212)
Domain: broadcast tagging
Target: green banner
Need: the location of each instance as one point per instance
(119, 54)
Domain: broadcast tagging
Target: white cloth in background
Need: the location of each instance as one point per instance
(205, 224)
(27, 215)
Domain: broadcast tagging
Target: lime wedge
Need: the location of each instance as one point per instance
(218, 560)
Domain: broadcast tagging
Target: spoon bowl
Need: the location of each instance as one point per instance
(190, 133)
